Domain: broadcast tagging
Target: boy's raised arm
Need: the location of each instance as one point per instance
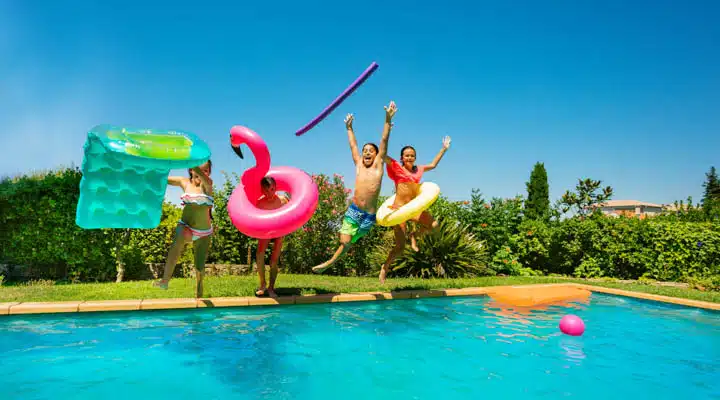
(351, 138)
(389, 114)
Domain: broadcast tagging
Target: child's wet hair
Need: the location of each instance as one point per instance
(373, 145)
(405, 148)
(209, 164)
(403, 152)
(267, 182)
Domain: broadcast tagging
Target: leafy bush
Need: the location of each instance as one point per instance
(228, 246)
(683, 250)
(505, 262)
(317, 241)
(629, 248)
(599, 246)
(456, 211)
(532, 245)
(37, 213)
(494, 222)
(451, 251)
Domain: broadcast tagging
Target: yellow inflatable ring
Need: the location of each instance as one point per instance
(386, 216)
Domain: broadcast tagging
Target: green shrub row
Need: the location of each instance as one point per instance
(475, 237)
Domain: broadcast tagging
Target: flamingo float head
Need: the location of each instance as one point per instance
(237, 150)
(236, 139)
(240, 135)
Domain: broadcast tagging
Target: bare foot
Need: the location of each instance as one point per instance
(261, 291)
(161, 284)
(320, 268)
(413, 243)
(383, 273)
(271, 293)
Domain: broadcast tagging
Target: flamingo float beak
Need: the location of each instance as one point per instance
(236, 149)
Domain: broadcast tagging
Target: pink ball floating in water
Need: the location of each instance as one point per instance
(572, 325)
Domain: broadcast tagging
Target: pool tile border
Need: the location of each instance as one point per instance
(5, 307)
(16, 308)
(648, 296)
(45, 307)
(109, 305)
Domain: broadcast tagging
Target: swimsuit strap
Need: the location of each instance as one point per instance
(197, 198)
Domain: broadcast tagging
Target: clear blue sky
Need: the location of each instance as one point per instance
(625, 92)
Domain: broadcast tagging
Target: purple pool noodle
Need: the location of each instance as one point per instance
(359, 81)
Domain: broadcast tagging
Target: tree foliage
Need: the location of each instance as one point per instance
(711, 197)
(537, 205)
(587, 194)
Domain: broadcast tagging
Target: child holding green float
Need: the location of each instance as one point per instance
(195, 224)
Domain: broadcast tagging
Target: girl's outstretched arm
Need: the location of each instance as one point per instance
(179, 181)
(439, 156)
(351, 138)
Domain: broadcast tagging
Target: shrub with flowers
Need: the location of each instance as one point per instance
(532, 244)
(494, 222)
(505, 262)
(318, 240)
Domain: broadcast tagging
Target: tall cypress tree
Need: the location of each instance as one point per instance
(711, 199)
(537, 205)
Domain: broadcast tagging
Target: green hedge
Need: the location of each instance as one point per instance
(668, 248)
(38, 220)
(37, 213)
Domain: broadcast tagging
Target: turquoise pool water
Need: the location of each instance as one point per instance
(461, 348)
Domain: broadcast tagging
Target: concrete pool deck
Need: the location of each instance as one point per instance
(18, 308)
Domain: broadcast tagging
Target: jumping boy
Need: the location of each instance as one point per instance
(360, 215)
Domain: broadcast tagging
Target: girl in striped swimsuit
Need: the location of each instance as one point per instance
(195, 224)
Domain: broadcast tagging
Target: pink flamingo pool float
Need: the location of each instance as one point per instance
(268, 224)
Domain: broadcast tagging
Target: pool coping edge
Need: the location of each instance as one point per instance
(19, 308)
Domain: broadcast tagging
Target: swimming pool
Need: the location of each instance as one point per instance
(458, 347)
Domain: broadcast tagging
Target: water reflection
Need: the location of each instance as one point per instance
(517, 324)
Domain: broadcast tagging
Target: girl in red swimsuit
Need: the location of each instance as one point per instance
(407, 176)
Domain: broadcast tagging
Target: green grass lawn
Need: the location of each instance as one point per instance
(288, 284)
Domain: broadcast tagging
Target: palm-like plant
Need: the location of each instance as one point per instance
(451, 251)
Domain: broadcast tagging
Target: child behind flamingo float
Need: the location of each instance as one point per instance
(270, 200)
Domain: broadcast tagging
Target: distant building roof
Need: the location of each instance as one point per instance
(627, 203)
(673, 207)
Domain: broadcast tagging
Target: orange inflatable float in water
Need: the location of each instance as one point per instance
(530, 296)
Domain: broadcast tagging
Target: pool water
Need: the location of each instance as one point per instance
(462, 348)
